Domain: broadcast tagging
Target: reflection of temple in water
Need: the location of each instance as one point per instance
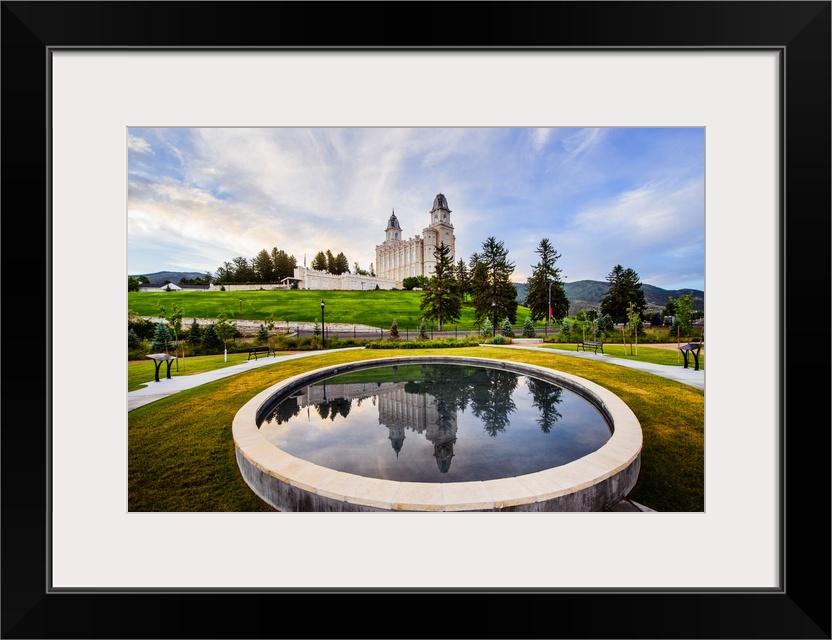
(399, 411)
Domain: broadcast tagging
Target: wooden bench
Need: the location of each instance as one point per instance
(694, 348)
(255, 350)
(592, 344)
(158, 359)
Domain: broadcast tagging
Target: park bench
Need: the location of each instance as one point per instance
(592, 344)
(158, 359)
(692, 348)
(255, 350)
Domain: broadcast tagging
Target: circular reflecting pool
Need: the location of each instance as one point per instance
(434, 423)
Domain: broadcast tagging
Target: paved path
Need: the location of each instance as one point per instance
(168, 386)
(678, 373)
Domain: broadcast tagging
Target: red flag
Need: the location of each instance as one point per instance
(550, 312)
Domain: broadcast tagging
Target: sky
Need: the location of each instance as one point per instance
(635, 197)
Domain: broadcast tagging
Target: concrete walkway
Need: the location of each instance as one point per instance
(168, 386)
(679, 374)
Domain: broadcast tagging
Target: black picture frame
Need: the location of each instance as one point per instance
(800, 31)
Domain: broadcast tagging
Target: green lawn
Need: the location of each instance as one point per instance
(372, 308)
(181, 451)
(641, 353)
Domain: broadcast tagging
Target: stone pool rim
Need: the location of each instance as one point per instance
(591, 483)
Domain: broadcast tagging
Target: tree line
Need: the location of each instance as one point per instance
(485, 281)
(266, 267)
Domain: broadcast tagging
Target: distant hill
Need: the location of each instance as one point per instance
(162, 277)
(587, 294)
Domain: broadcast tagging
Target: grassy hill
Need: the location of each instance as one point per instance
(372, 308)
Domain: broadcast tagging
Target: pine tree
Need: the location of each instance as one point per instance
(319, 262)
(493, 292)
(161, 338)
(624, 288)
(210, 342)
(486, 329)
(394, 330)
(507, 329)
(545, 278)
(442, 299)
(342, 265)
(262, 334)
(528, 329)
(423, 330)
(195, 333)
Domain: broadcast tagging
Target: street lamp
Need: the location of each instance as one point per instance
(241, 306)
(323, 325)
(549, 312)
(494, 314)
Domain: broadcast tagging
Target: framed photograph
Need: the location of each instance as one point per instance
(754, 75)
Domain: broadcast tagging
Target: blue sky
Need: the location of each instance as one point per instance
(199, 197)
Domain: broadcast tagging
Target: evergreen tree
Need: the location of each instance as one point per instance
(394, 330)
(493, 291)
(507, 329)
(624, 288)
(210, 341)
(545, 278)
(463, 278)
(486, 328)
(442, 299)
(331, 266)
(319, 262)
(161, 338)
(133, 340)
(605, 323)
(423, 330)
(528, 329)
(262, 334)
(342, 265)
(195, 333)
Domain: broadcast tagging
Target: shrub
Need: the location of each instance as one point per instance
(499, 340)
(262, 334)
(211, 344)
(195, 333)
(161, 338)
(423, 330)
(133, 340)
(528, 329)
(438, 343)
(394, 330)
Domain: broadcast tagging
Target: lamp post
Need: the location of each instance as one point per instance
(494, 314)
(549, 311)
(241, 306)
(323, 325)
